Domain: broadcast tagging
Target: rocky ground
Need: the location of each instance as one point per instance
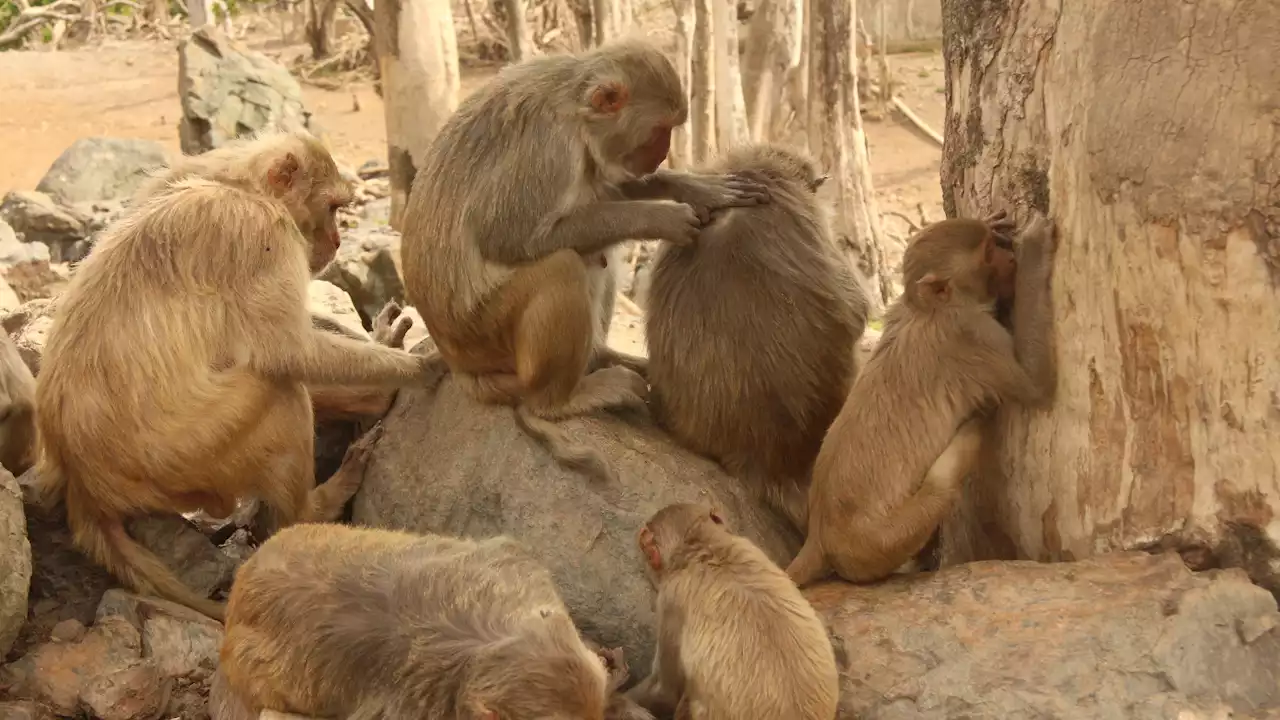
(1125, 636)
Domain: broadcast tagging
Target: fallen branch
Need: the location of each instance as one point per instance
(915, 120)
(32, 18)
(630, 305)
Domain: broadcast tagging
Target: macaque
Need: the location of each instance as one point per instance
(174, 374)
(17, 409)
(752, 332)
(510, 227)
(334, 621)
(736, 639)
(892, 464)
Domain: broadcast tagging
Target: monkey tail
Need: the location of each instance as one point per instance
(105, 540)
(810, 564)
(569, 454)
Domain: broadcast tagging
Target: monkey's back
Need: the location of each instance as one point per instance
(752, 646)
(750, 337)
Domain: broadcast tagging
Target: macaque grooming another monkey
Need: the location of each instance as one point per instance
(339, 622)
(892, 463)
(173, 378)
(752, 332)
(509, 227)
(735, 637)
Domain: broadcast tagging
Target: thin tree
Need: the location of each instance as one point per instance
(604, 15)
(418, 54)
(773, 40)
(519, 36)
(702, 107)
(731, 108)
(682, 155)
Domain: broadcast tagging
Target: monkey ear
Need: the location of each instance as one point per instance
(650, 548)
(715, 518)
(280, 174)
(610, 97)
(932, 286)
(817, 182)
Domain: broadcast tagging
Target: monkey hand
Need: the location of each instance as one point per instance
(674, 222)
(1001, 225)
(615, 665)
(390, 327)
(1037, 242)
(707, 193)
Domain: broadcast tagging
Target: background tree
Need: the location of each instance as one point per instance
(731, 110)
(604, 20)
(519, 36)
(682, 137)
(418, 58)
(702, 100)
(1151, 138)
(319, 29)
(836, 138)
(773, 42)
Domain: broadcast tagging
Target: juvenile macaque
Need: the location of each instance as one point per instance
(752, 332)
(891, 467)
(334, 621)
(17, 409)
(509, 227)
(174, 374)
(735, 637)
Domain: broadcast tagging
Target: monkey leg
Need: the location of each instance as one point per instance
(332, 402)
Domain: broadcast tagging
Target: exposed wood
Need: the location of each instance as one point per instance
(731, 107)
(702, 108)
(682, 154)
(916, 121)
(519, 38)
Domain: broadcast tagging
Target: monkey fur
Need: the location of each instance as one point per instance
(510, 226)
(892, 463)
(391, 624)
(736, 639)
(173, 379)
(752, 332)
(17, 409)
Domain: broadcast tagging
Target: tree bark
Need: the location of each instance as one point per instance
(418, 59)
(682, 155)
(199, 13)
(519, 38)
(320, 17)
(1151, 139)
(731, 107)
(836, 138)
(773, 43)
(702, 107)
(604, 15)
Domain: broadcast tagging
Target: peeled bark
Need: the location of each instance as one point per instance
(519, 37)
(418, 61)
(682, 137)
(702, 108)
(731, 108)
(1151, 139)
(836, 138)
(773, 44)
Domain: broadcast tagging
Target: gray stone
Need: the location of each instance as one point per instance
(185, 550)
(450, 465)
(228, 91)
(15, 562)
(95, 169)
(1123, 636)
(365, 267)
(38, 218)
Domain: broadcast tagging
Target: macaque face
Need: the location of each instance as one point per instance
(1004, 267)
(646, 159)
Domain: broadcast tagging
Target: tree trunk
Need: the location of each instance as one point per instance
(702, 108)
(731, 108)
(795, 117)
(626, 17)
(199, 13)
(418, 55)
(604, 14)
(519, 38)
(837, 140)
(773, 44)
(682, 138)
(158, 11)
(1151, 139)
(320, 17)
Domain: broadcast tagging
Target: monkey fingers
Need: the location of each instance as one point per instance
(390, 327)
(330, 497)
(708, 193)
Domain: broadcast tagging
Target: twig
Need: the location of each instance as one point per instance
(915, 120)
(630, 305)
(911, 226)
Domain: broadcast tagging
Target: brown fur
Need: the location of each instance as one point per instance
(752, 331)
(735, 637)
(17, 409)
(891, 466)
(512, 218)
(173, 378)
(395, 625)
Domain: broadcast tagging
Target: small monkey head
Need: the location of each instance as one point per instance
(773, 165)
(956, 262)
(670, 529)
(632, 99)
(543, 674)
(303, 175)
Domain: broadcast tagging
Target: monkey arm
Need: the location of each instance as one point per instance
(702, 192)
(1033, 313)
(592, 228)
(660, 692)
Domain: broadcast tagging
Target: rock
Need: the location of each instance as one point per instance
(69, 630)
(94, 169)
(15, 252)
(331, 301)
(366, 268)
(39, 219)
(24, 710)
(373, 168)
(136, 691)
(1126, 635)
(446, 464)
(178, 639)
(228, 91)
(58, 674)
(186, 551)
(15, 562)
(30, 325)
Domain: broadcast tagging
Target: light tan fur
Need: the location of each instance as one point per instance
(892, 464)
(511, 220)
(17, 409)
(342, 622)
(173, 377)
(736, 639)
(752, 331)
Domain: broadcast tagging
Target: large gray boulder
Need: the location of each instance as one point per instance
(449, 465)
(15, 562)
(228, 91)
(1127, 636)
(96, 169)
(38, 218)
